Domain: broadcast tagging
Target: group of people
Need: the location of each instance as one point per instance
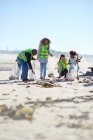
(64, 66)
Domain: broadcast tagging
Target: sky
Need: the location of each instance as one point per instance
(67, 23)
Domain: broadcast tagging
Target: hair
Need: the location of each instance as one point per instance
(62, 55)
(43, 41)
(73, 53)
(34, 52)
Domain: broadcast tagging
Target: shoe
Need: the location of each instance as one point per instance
(26, 80)
(59, 77)
(41, 78)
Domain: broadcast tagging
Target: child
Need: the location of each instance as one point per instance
(62, 66)
(73, 61)
(43, 53)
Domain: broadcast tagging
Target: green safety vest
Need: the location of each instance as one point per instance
(61, 65)
(44, 51)
(22, 56)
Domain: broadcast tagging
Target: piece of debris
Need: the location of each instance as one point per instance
(6, 94)
(12, 78)
(46, 84)
(91, 68)
(80, 82)
(13, 90)
(48, 98)
(88, 73)
(51, 75)
(24, 113)
(18, 112)
(75, 100)
(28, 98)
(91, 91)
(27, 86)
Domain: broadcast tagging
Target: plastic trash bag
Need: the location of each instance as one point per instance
(73, 73)
(15, 72)
(51, 67)
(31, 75)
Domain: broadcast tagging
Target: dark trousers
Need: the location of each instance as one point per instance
(64, 73)
(24, 68)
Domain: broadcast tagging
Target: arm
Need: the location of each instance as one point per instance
(60, 67)
(50, 52)
(69, 62)
(79, 59)
(28, 56)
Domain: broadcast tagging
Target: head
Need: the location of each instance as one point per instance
(34, 52)
(72, 54)
(62, 57)
(45, 41)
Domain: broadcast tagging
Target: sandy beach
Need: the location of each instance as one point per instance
(30, 111)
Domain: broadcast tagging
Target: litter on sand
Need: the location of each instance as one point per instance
(18, 113)
(47, 84)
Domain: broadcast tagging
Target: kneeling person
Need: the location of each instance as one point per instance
(62, 66)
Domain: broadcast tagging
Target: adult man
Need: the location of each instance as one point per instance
(24, 59)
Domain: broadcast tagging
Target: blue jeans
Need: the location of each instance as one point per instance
(43, 70)
(24, 68)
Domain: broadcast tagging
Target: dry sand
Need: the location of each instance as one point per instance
(59, 113)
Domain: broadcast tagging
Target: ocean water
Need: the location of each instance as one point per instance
(8, 57)
(89, 58)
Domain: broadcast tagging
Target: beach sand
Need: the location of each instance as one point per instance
(62, 112)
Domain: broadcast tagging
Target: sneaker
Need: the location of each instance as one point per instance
(42, 78)
(26, 80)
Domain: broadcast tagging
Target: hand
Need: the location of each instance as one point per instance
(51, 55)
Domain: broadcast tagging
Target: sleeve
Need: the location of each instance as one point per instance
(60, 67)
(28, 56)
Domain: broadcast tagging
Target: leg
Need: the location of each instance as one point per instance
(44, 67)
(64, 73)
(41, 70)
(18, 69)
(24, 69)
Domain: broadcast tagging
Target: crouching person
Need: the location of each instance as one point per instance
(24, 59)
(62, 66)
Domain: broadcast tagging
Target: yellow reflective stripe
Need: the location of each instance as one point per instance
(22, 56)
(44, 51)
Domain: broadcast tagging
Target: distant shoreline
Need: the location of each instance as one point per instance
(54, 52)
